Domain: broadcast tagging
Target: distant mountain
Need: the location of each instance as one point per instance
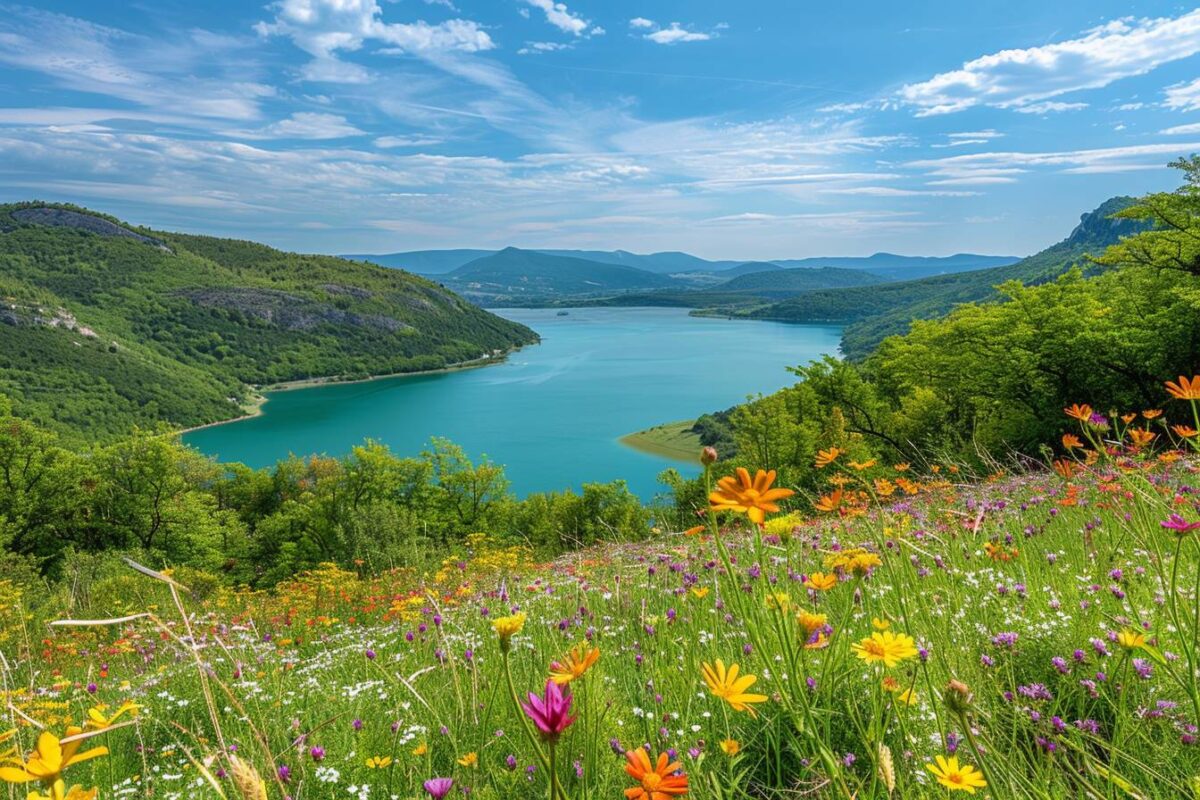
(515, 275)
(105, 326)
(424, 262)
(871, 314)
(900, 268)
(748, 268)
(787, 282)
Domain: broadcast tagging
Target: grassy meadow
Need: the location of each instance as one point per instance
(916, 633)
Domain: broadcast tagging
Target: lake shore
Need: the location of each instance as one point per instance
(673, 440)
(254, 407)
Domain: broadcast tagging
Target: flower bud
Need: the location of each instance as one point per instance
(957, 697)
(708, 456)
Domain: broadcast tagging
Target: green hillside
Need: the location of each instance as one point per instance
(515, 275)
(104, 326)
(787, 282)
(873, 313)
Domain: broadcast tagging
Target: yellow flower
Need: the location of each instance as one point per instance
(469, 760)
(908, 697)
(821, 581)
(811, 622)
(957, 778)
(861, 465)
(508, 627)
(420, 749)
(730, 688)
(379, 762)
(98, 721)
(573, 665)
(1131, 639)
(754, 498)
(779, 600)
(50, 758)
(59, 791)
(887, 648)
(730, 747)
(880, 624)
(884, 487)
(699, 592)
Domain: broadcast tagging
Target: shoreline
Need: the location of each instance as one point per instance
(670, 440)
(254, 408)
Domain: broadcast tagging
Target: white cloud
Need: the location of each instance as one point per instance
(558, 15)
(674, 34)
(323, 28)
(1178, 130)
(641, 22)
(1022, 77)
(1183, 96)
(388, 142)
(305, 125)
(892, 191)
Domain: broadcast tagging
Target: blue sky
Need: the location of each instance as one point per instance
(731, 130)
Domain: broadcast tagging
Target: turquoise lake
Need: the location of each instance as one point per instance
(552, 413)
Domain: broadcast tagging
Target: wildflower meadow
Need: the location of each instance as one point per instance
(916, 632)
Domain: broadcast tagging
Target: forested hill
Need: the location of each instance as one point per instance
(105, 326)
(873, 313)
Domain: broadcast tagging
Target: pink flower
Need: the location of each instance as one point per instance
(551, 715)
(1179, 524)
(439, 787)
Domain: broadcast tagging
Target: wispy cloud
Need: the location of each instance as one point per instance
(1021, 78)
(304, 125)
(1003, 167)
(1183, 96)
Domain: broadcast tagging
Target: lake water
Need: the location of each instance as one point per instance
(552, 413)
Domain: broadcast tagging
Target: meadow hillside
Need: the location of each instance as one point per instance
(105, 326)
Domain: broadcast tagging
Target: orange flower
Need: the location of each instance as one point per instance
(1141, 437)
(1186, 389)
(1128, 418)
(654, 783)
(1080, 412)
(576, 662)
(1064, 468)
(827, 457)
(754, 498)
(861, 465)
(884, 487)
(1153, 413)
(1070, 441)
(902, 467)
(829, 502)
(1184, 431)
(694, 531)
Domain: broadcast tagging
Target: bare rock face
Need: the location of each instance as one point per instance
(64, 218)
(289, 311)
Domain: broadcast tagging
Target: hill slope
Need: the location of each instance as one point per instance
(517, 275)
(900, 268)
(874, 313)
(786, 282)
(104, 326)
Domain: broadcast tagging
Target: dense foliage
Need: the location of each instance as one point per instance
(102, 331)
(986, 382)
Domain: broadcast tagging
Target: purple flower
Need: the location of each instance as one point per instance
(317, 752)
(551, 714)
(439, 787)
